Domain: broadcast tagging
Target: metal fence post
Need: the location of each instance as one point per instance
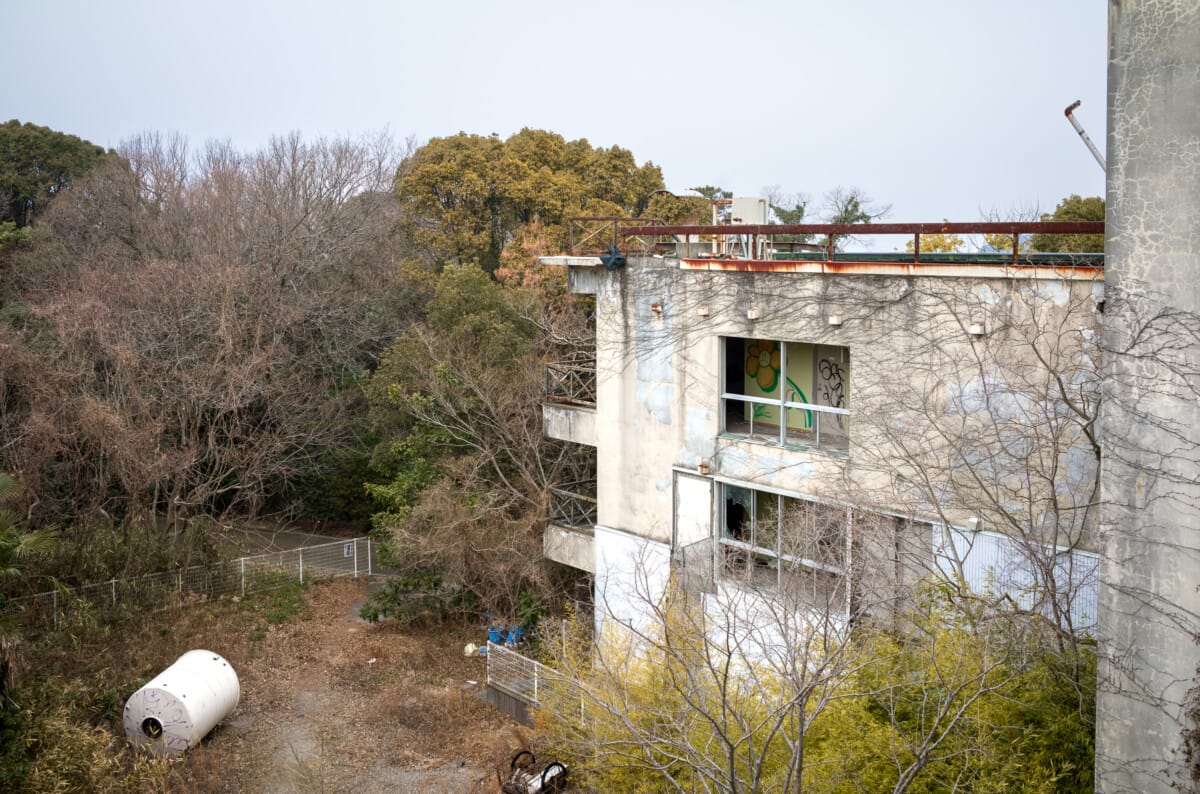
(207, 585)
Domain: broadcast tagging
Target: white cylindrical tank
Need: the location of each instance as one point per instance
(182, 704)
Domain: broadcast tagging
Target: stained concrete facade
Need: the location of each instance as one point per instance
(1150, 605)
(945, 367)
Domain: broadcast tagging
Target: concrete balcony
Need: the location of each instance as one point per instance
(569, 413)
(569, 546)
(568, 536)
(574, 423)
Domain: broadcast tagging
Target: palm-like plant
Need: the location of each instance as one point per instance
(17, 545)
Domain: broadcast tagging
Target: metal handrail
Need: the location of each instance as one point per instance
(832, 231)
(574, 504)
(636, 231)
(572, 381)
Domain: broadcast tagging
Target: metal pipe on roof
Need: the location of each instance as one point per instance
(1095, 152)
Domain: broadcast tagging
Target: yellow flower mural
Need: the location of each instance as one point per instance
(762, 364)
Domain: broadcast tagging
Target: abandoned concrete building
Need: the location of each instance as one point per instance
(833, 427)
(841, 426)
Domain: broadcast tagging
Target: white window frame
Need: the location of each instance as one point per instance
(778, 557)
(780, 403)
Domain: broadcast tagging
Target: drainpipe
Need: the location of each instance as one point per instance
(1091, 146)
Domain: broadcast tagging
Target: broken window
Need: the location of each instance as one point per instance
(788, 393)
(779, 542)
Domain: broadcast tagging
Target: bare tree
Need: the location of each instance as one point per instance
(458, 399)
(745, 689)
(701, 693)
(991, 425)
(852, 205)
(199, 324)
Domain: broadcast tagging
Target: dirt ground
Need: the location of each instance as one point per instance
(330, 703)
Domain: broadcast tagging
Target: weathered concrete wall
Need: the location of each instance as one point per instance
(631, 576)
(638, 402)
(1149, 606)
(986, 430)
(919, 377)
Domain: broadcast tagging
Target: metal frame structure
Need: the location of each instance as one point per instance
(643, 230)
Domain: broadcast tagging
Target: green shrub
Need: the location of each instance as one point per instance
(421, 595)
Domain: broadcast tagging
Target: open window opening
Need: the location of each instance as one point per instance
(789, 545)
(786, 393)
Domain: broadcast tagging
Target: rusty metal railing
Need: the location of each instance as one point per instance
(752, 237)
(572, 382)
(593, 234)
(647, 235)
(574, 504)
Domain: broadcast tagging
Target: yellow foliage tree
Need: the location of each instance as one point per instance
(938, 244)
(965, 698)
(467, 197)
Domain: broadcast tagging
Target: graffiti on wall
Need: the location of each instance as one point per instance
(831, 389)
(763, 361)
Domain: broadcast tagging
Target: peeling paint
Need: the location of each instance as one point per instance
(699, 441)
(990, 393)
(751, 462)
(987, 294)
(657, 399)
(1056, 291)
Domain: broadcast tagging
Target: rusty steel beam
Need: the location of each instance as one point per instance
(1060, 270)
(861, 229)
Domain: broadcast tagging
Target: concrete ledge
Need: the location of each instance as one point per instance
(569, 546)
(571, 261)
(565, 422)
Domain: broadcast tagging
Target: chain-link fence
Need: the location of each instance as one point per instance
(353, 557)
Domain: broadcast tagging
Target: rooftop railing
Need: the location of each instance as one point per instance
(821, 242)
(592, 234)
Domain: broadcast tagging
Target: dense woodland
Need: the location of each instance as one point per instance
(330, 330)
(319, 330)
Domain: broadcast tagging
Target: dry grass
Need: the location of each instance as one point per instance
(328, 703)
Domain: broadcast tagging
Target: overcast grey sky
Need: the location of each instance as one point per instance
(941, 108)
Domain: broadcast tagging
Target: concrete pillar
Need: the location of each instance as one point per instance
(1150, 486)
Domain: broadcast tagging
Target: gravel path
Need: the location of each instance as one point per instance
(330, 703)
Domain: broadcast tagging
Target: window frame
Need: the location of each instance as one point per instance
(779, 561)
(781, 403)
